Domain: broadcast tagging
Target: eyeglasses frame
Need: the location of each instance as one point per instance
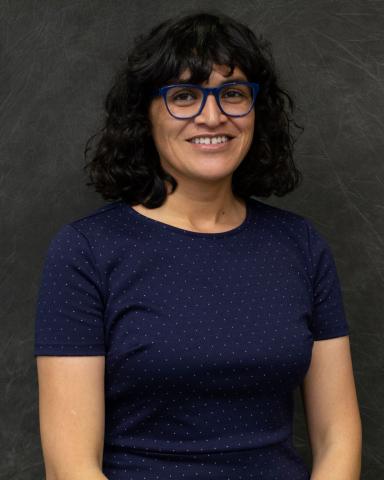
(162, 92)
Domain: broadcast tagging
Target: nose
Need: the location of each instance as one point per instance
(211, 113)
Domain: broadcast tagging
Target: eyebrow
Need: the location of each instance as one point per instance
(228, 80)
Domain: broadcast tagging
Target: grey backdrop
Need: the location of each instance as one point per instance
(57, 59)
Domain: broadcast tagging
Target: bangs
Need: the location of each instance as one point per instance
(197, 47)
(127, 165)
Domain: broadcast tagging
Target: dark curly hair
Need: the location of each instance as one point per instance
(126, 163)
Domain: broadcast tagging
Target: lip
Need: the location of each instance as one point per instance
(205, 146)
(211, 135)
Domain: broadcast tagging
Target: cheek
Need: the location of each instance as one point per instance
(165, 138)
(246, 124)
(156, 121)
(162, 127)
(248, 128)
(251, 123)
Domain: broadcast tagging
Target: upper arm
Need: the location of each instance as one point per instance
(71, 410)
(329, 394)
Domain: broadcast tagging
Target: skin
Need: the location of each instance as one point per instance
(71, 389)
(203, 200)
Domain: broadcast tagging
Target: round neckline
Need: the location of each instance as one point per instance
(183, 231)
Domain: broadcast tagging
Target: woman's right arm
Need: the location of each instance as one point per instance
(71, 413)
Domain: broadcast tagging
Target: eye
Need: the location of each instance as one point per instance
(236, 94)
(233, 93)
(182, 96)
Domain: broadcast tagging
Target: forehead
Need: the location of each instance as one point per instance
(219, 72)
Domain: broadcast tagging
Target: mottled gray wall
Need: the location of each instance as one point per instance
(57, 58)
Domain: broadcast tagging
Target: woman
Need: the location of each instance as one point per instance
(174, 324)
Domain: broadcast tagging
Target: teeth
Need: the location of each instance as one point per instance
(209, 141)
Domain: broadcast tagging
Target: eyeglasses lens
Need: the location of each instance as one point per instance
(185, 102)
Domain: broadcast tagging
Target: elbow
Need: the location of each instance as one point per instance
(75, 474)
(350, 437)
(50, 473)
(339, 456)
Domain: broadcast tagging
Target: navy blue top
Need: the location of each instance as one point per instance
(205, 336)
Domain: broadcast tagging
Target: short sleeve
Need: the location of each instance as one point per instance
(69, 309)
(328, 318)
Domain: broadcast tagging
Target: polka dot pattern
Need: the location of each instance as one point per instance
(206, 336)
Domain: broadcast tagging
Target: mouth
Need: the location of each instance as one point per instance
(219, 145)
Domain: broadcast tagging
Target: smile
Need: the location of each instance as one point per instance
(215, 143)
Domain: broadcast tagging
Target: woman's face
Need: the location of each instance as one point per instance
(183, 159)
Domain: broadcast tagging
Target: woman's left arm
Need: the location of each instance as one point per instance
(332, 412)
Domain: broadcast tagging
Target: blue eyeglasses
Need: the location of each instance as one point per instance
(187, 100)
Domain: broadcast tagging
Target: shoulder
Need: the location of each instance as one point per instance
(290, 230)
(98, 220)
(280, 220)
(84, 237)
(88, 228)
